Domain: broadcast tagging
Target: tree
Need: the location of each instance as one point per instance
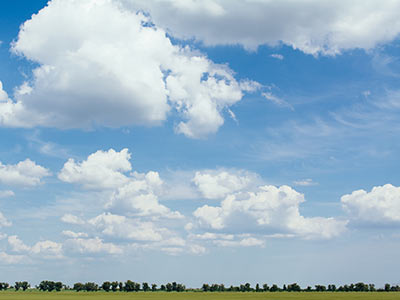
(265, 287)
(114, 286)
(129, 286)
(78, 286)
(121, 286)
(106, 286)
(205, 287)
(274, 288)
(162, 287)
(91, 287)
(145, 287)
(168, 287)
(58, 286)
(294, 287)
(387, 287)
(154, 287)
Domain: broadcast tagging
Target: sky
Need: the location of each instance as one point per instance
(218, 141)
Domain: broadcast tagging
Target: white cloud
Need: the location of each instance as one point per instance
(72, 234)
(3, 221)
(276, 100)
(101, 170)
(315, 27)
(47, 249)
(44, 249)
(269, 210)
(72, 219)
(139, 197)
(24, 173)
(215, 184)
(277, 56)
(6, 194)
(122, 227)
(17, 245)
(116, 73)
(305, 182)
(246, 242)
(380, 205)
(6, 258)
(94, 245)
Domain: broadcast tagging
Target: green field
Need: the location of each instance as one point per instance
(70, 295)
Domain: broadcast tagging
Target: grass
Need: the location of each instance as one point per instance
(71, 295)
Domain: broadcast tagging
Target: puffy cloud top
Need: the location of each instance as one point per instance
(314, 27)
(24, 173)
(380, 205)
(125, 71)
(269, 210)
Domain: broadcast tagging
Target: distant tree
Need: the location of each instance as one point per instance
(114, 286)
(387, 287)
(205, 287)
(78, 287)
(221, 288)
(106, 286)
(372, 288)
(154, 287)
(129, 286)
(294, 287)
(121, 286)
(284, 287)
(180, 287)
(162, 287)
(58, 286)
(265, 287)
(274, 288)
(174, 286)
(309, 289)
(320, 288)
(145, 287)
(4, 286)
(168, 287)
(331, 287)
(91, 287)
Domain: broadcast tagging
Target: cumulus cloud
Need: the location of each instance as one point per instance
(17, 245)
(101, 170)
(314, 27)
(44, 249)
(72, 234)
(117, 73)
(72, 219)
(380, 205)
(3, 221)
(216, 184)
(94, 245)
(6, 258)
(139, 197)
(122, 227)
(25, 173)
(277, 56)
(6, 194)
(268, 210)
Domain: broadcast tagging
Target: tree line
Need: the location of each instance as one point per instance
(131, 286)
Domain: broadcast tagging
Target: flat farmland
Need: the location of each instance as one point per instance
(71, 295)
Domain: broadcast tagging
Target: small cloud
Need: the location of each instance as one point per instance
(366, 93)
(6, 194)
(277, 56)
(276, 100)
(305, 182)
(233, 116)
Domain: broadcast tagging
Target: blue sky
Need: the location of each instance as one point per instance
(199, 141)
